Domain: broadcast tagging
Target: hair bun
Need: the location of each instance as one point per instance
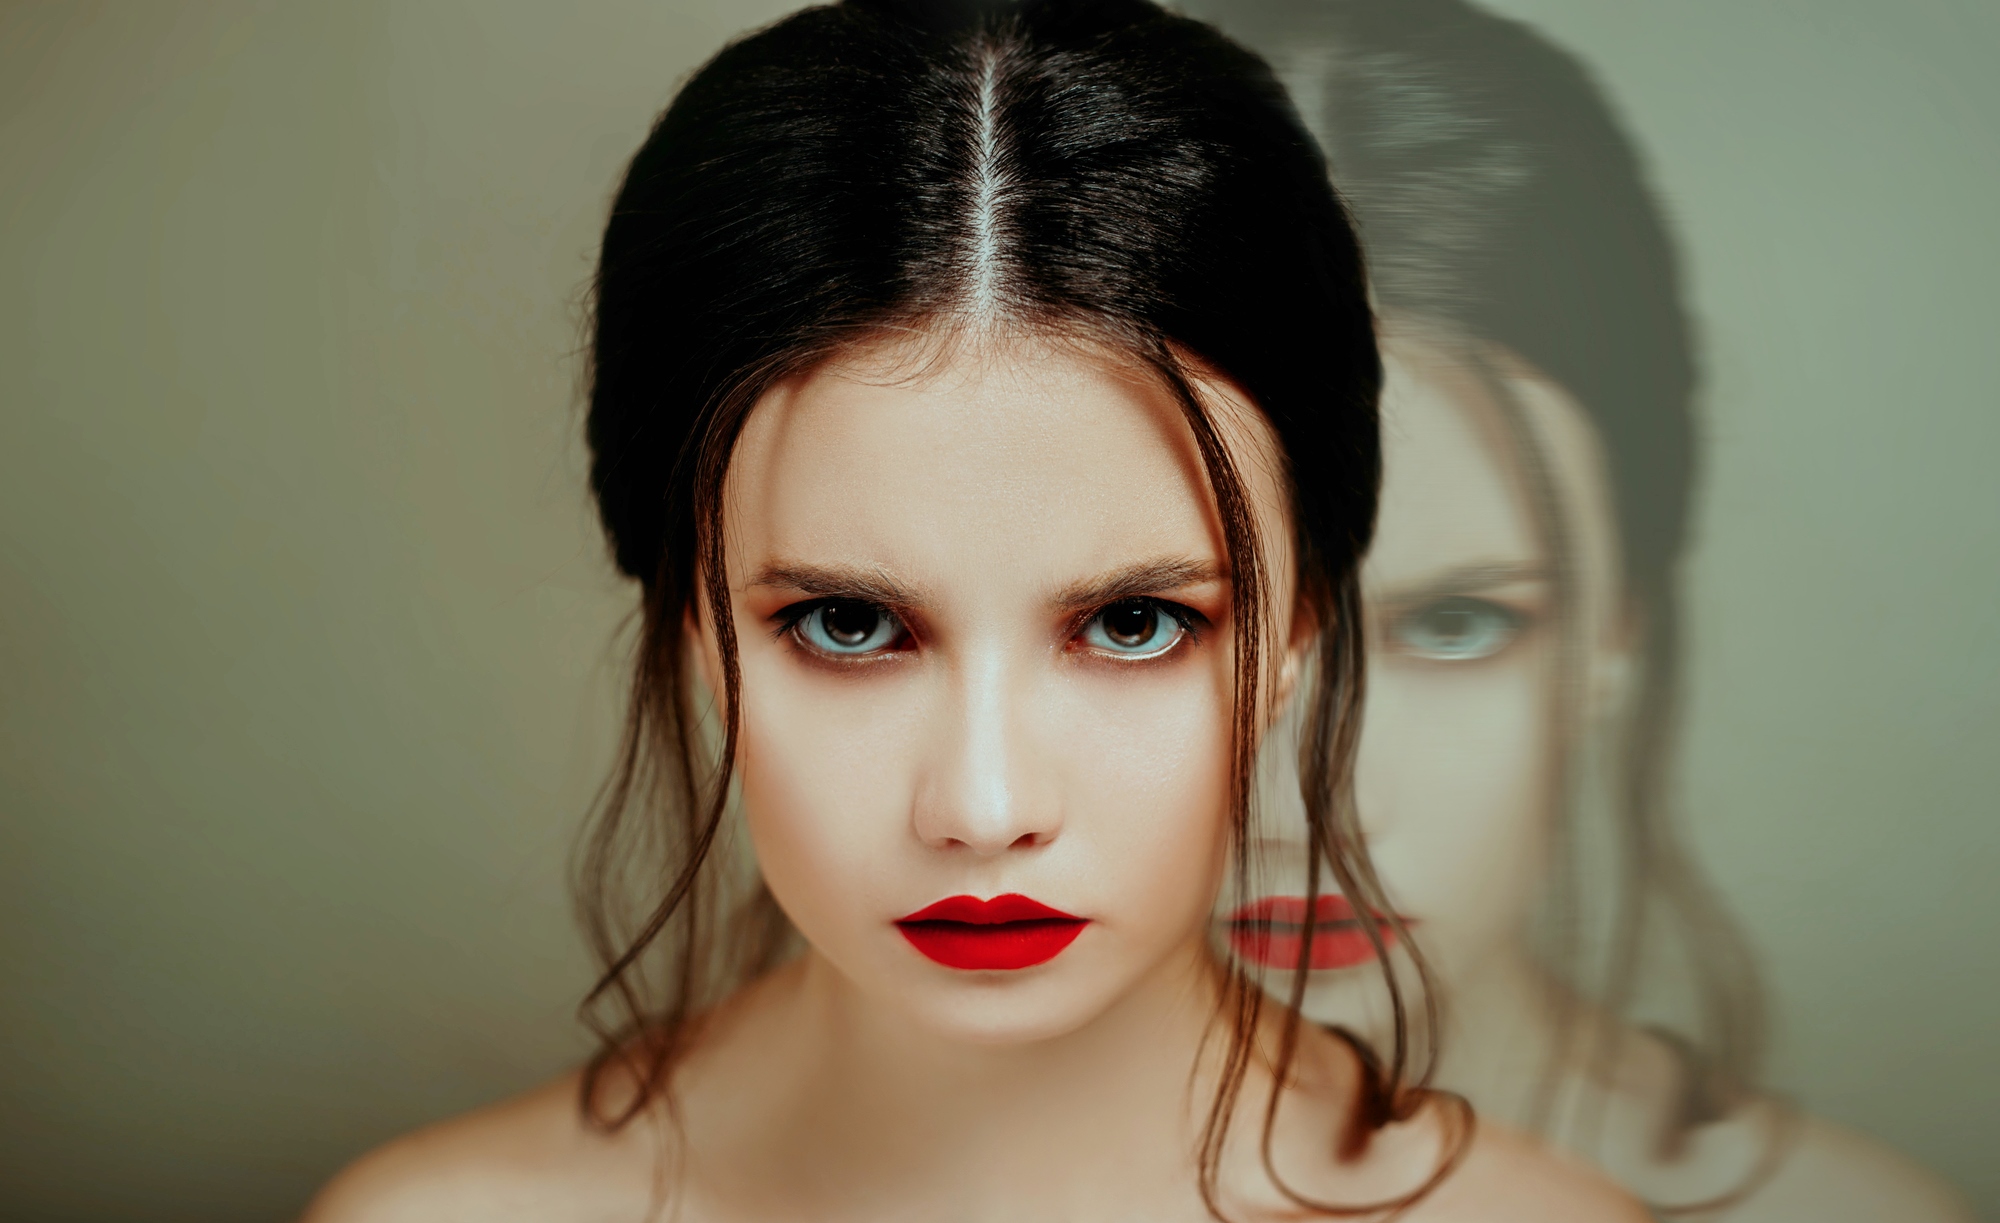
(941, 16)
(949, 17)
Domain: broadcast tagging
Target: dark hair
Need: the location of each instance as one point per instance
(1098, 169)
(1497, 194)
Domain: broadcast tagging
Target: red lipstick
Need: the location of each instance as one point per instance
(1269, 931)
(1006, 932)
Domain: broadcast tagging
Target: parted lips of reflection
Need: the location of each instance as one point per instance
(1002, 934)
(1269, 932)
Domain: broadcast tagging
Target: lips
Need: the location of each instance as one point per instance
(1269, 931)
(1005, 933)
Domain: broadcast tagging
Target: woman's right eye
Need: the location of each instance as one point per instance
(848, 629)
(1457, 628)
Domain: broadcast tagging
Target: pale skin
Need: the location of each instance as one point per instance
(996, 493)
(1455, 790)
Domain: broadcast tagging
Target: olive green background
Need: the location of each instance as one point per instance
(307, 645)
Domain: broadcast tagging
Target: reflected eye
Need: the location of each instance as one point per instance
(846, 628)
(1134, 628)
(1456, 628)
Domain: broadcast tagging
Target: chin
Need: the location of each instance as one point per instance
(1002, 1009)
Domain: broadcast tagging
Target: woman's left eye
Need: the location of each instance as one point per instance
(1134, 628)
(1457, 629)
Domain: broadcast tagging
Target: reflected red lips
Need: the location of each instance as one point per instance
(1269, 931)
(1004, 933)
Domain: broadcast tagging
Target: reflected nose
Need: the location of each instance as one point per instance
(986, 789)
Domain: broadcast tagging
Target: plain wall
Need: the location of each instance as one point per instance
(308, 648)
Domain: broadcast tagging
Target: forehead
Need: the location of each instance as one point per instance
(1450, 495)
(1020, 455)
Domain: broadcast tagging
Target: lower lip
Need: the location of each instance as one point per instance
(1269, 933)
(1004, 934)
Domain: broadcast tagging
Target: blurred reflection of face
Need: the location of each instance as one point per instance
(1456, 773)
(981, 604)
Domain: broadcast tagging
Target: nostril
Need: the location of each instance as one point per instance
(1027, 840)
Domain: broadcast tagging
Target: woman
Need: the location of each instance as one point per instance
(1525, 627)
(949, 365)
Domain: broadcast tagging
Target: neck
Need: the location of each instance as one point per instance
(1504, 1024)
(852, 1093)
(1612, 1098)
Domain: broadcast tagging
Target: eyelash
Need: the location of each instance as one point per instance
(790, 622)
(1192, 624)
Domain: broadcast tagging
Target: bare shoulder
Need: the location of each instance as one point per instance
(528, 1158)
(1510, 1178)
(1835, 1175)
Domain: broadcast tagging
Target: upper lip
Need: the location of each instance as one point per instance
(1291, 911)
(971, 910)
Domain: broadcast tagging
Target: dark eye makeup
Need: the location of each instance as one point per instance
(1139, 628)
(843, 628)
(1130, 629)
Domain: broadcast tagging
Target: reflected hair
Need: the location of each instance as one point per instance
(1095, 170)
(1498, 197)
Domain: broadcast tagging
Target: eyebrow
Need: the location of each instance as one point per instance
(1466, 578)
(879, 586)
(1143, 578)
(838, 581)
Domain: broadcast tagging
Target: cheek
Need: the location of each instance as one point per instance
(1452, 781)
(1135, 764)
(824, 774)
(1145, 783)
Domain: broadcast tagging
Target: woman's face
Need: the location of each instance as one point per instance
(1455, 780)
(984, 625)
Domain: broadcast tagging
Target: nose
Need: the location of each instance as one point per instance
(987, 785)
